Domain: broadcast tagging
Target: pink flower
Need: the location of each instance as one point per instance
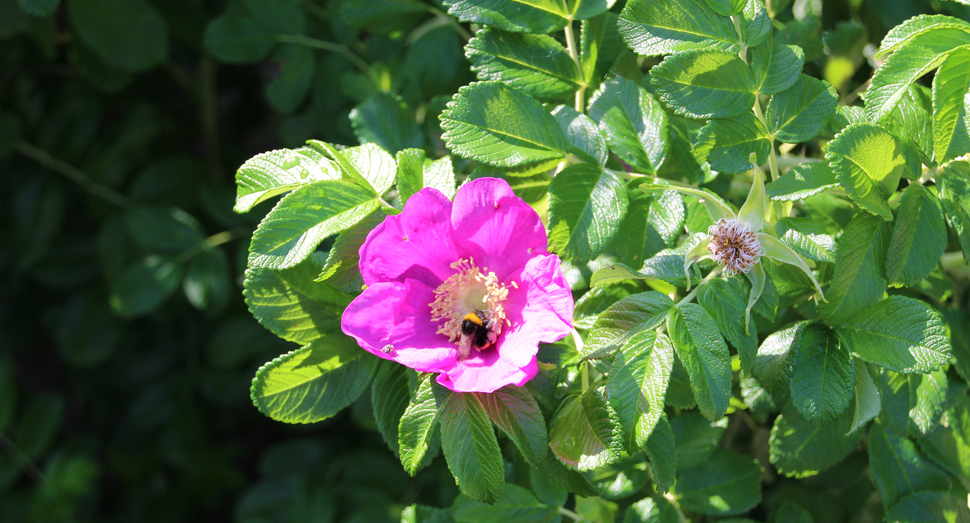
(465, 289)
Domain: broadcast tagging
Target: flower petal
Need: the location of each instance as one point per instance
(496, 227)
(539, 310)
(486, 372)
(414, 244)
(397, 314)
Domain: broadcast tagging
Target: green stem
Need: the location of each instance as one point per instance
(580, 102)
(690, 296)
(787, 162)
(72, 173)
(212, 241)
(570, 514)
(772, 159)
(743, 53)
(327, 46)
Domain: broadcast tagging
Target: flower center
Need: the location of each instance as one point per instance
(470, 304)
(734, 245)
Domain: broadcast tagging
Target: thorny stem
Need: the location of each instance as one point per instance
(72, 173)
(327, 46)
(580, 102)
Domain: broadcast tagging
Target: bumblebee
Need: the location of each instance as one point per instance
(476, 331)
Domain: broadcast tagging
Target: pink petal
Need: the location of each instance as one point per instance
(540, 310)
(396, 313)
(414, 244)
(486, 372)
(495, 226)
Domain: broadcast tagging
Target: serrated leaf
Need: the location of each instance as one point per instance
(385, 120)
(805, 180)
(653, 223)
(268, 174)
(625, 319)
(651, 510)
(515, 504)
(755, 24)
(728, 483)
(582, 133)
(471, 448)
(823, 375)
(415, 172)
(495, 124)
(920, 54)
(950, 85)
(633, 122)
(585, 432)
(304, 218)
(868, 162)
(916, 26)
(954, 187)
(516, 413)
(586, 205)
(726, 301)
(696, 438)
(315, 382)
(570, 480)
(341, 269)
(772, 365)
(662, 451)
(899, 468)
(799, 449)
(912, 403)
(622, 478)
(727, 7)
(898, 333)
(416, 429)
(776, 66)
(911, 120)
(368, 166)
(535, 64)
(238, 39)
(929, 507)
(389, 399)
(382, 16)
(705, 355)
(949, 443)
(859, 279)
(678, 391)
(867, 402)
(806, 237)
(800, 112)
(704, 84)
(727, 143)
(655, 27)
(532, 16)
(637, 384)
(918, 239)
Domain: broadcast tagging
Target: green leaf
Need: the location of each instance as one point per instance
(315, 382)
(705, 355)
(515, 504)
(919, 237)
(271, 173)
(867, 401)
(385, 120)
(498, 125)
(567, 479)
(805, 180)
(653, 223)
(727, 7)
(859, 260)
(705, 84)
(697, 438)
(127, 34)
(728, 483)
(279, 16)
(368, 165)
(678, 391)
(806, 237)
(389, 399)
(582, 133)
(39, 425)
(776, 66)
(304, 218)
(899, 468)
(950, 86)
(727, 144)
(416, 430)
(898, 333)
(516, 413)
(586, 204)
(920, 54)
(637, 384)
(341, 269)
(772, 365)
(626, 319)
(916, 26)
(650, 510)
(523, 16)
(297, 65)
(800, 449)
(912, 403)
(929, 507)
(471, 448)
(726, 301)
(662, 451)
(658, 27)
(537, 65)
(289, 304)
(800, 112)
(416, 172)
(823, 375)
(160, 229)
(949, 443)
(791, 512)
(633, 122)
(622, 478)
(911, 120)
(39, 7)
(145, 285)
(237, 39)
(868, 162)
(954, 186)
(207, 284)
(383, 16)
(586, 433)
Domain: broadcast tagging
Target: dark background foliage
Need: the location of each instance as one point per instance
(126, 350)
